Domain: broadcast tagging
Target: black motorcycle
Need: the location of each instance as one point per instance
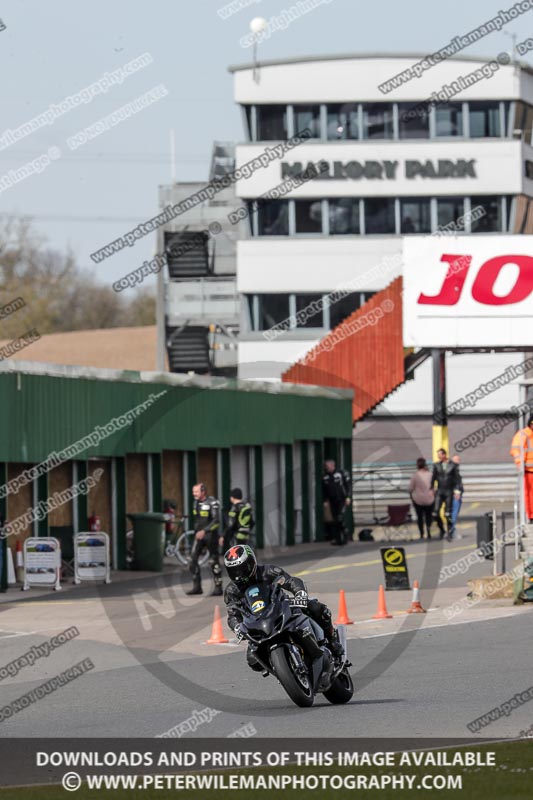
(289, 645)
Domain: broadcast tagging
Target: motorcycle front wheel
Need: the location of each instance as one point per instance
(297, 687)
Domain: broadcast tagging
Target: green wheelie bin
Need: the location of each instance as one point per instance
(149, 540)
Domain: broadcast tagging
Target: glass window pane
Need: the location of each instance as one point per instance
(379, 215)
(314, 317)
(491, 221)
(413, 121)
(248, 113)
(415, 215)
(484, 119)
(308, 216)
(273, 217)
(523, 121)
(343, 121)
(307, 117)
(250, 308)
(344, 215)
(449, 209)
(377, 121)
(271, 123)
(342, 307)
(273, 309)
(449, 119)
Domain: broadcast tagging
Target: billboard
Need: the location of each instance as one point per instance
(468, 291)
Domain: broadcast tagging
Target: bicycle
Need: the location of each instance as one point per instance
(180, 545)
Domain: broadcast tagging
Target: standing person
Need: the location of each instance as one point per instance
(336, 491)
(457, 497)
(206, 517)
(446, 476)
(240, 521)
(522, 451)
(422, 496)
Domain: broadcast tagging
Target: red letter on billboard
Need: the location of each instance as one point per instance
(453, 282)
(482, 289)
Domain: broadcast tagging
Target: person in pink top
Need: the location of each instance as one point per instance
(422, 496)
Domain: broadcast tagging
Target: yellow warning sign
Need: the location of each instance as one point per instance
(394, 556)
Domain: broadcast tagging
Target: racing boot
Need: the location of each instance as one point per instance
(196, 588)
(217, 591)
(334, 643)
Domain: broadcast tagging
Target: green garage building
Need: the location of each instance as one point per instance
(152, 436)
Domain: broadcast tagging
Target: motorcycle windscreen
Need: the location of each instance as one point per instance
(257, 599)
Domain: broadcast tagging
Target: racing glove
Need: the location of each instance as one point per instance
(239, 633)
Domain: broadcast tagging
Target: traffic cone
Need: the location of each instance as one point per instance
(19, 563)
(382, 612)
(217, 634)
(343, 618)
(416, 605)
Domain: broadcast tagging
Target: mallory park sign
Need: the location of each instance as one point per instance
(383, 170)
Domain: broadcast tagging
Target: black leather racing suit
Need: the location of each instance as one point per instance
(206, 517)
(447, 478)
(336, 487)
(270, 574)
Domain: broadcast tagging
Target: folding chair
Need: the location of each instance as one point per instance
(396, 521)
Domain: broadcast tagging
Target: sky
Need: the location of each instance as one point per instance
(85, 198)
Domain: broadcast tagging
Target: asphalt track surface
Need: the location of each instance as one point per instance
(153, 670)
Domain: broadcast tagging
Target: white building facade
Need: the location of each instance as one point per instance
(390, 166)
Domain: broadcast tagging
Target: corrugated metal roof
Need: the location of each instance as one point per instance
(44, 410)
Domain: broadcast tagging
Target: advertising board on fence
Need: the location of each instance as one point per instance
(42, 562)
(91, 557)
(468, 291)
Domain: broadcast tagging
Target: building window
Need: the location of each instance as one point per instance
(307, 117)
(491, 221)
(415, 125)
(415, 215)
(248, 116)
(484, 120)
(449, 210)
(449, 119)
(523, 122)
(379, 215)
(273, 309)
(343, 121)
(313, 305)
(308, 216)
(342, 307)
(271, 123)
(343, 215)
(377, 121)
(273, 218)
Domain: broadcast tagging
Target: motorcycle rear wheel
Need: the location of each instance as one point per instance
(341, 690)
(298, 693)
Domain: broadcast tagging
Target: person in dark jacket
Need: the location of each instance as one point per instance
(446, 480)
(240, 521)
(336, 491)
(244, 571)
(206, 519)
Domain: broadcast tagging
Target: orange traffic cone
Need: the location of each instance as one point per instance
(382, 612)
(416, 605)
(19, 563)
(343, 618)
(217, 634)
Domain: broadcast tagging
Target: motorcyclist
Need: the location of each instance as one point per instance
(240, 521)
(243, 571)
(206, 516)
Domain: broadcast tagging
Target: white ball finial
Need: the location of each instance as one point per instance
(258, 24)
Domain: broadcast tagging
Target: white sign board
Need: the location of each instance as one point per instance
(468, 291)
(42, 562)
(91, 557)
